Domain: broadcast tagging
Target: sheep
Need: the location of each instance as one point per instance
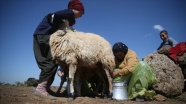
(75, 50)
(96, 78)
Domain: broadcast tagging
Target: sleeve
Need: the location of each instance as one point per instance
(65, 14)
(54, 19)
(173, 42)
(130, 63)
(160, 45)
(60, 72)
(170, 42)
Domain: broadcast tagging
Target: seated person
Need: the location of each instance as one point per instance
(167, 43)
(137, 73)
(171, 48)
(166, 40)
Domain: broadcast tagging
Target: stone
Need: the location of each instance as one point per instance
(159, 97)
(169, 75)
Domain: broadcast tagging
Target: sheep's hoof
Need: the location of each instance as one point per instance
(108, 96)
(70, 99)
(71, 96)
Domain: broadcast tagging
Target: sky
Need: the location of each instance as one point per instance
(136, 23)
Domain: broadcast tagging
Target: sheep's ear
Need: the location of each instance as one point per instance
(66, 22)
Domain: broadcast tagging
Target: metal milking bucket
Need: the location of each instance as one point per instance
(120, 91)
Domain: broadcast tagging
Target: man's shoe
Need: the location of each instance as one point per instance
(41, 91)
(36, 93)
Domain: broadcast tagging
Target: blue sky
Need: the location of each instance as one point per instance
(134, 22)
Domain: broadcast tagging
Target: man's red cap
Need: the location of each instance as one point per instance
(76, 4)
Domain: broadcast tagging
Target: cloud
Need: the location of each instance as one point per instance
(147, 35)
(158, 27)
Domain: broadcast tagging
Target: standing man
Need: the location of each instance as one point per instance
(48, 26)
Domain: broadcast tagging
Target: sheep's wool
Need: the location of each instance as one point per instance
(87, 48)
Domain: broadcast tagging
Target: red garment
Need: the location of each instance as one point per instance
(77, 5)
(178, 50)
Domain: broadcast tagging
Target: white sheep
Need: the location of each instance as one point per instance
(78, 49)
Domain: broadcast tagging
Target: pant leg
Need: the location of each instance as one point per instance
(44, 58)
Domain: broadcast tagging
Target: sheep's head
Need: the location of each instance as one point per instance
(66, 22)
(64, 25)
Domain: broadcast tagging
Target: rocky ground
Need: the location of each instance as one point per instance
(24, 95)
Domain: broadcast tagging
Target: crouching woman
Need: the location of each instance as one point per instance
(136, 73)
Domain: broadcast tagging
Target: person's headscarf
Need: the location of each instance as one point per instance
(119, 46)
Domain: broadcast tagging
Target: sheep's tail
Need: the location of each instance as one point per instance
(111, 67)
(109, 64)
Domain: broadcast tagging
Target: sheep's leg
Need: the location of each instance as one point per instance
(72, 70)
(98, 85)
(109, 82)
(101, 75)
(77, 84)
(61, 84)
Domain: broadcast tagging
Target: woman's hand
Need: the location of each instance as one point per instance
(115, 74)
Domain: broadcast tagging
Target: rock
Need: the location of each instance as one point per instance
(182, 59)
(24, 95)
(183, 67)
(165, 49)
(169, 75)
(159, 97)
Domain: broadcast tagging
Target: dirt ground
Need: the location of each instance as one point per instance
(24, 95)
